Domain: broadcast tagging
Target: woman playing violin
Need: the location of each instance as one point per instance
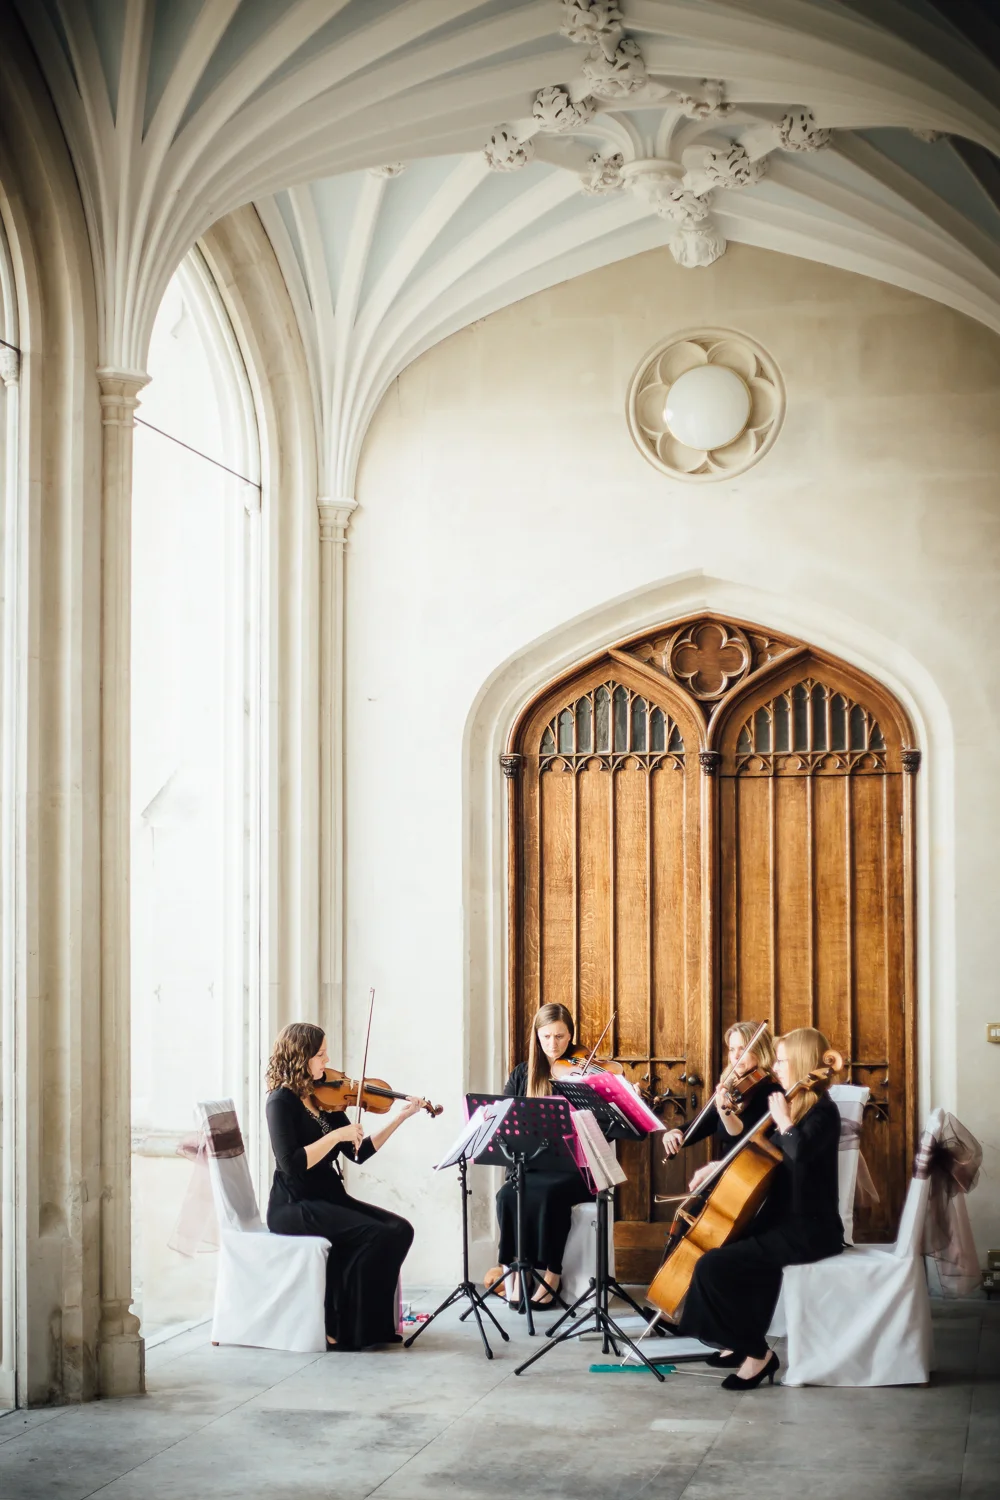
(732, 1112)
(308, 1196)
(734, 1291)
(549, 1195)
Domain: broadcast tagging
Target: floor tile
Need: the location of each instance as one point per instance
(718, 1479)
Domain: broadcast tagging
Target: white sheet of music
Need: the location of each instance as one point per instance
(600, 1154)
(477, 1134)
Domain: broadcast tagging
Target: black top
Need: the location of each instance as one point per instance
(756, 1109)
(292, 1128)
(517, 1084)
(805, 1195)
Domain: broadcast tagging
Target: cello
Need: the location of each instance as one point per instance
(730, 1195)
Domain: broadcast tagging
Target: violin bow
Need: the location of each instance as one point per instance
(600, 1039)
(364, 1065)
(832, 1062)
(722, 1081)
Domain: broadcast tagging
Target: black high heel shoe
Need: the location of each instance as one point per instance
(720, 1361)
(734, 1383)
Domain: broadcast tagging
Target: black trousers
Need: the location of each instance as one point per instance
(735, 1289)
(367, 1248)
(549, 1198)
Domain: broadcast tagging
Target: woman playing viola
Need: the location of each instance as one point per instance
(549, 1195)
(367, 1244)
(734, 1290)
(721, 1120)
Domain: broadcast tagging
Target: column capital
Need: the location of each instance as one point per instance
(335, 517)
(119, 391)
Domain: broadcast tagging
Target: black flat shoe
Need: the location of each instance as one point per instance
(734, 1383)
(720, 1361)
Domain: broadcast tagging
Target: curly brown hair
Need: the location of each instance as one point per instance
(289, 1064)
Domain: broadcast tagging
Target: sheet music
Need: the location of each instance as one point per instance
(477, 1134)
(599, 1153)
(616, 1090)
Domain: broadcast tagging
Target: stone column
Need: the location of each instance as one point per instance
(334, 519)
(121, 1354)
(11, 831)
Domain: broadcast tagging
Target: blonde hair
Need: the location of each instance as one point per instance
(289, 1064)
(763, 1047)
(539, 1072)
(805, 1049)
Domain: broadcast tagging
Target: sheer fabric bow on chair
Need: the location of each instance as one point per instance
(864, 1318)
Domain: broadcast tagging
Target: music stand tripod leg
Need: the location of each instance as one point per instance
(602, 1321)
(466, 1287)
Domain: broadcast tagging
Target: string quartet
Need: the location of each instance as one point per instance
(768, 1199)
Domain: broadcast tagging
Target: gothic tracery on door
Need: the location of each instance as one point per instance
(710, 823)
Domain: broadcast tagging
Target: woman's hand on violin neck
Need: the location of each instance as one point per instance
(413, 1106)
(672, 1142)
(348, 1135)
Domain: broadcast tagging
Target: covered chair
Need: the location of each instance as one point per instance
(864, 1318)
(850, 1100)
(271, 1288)
(580, 1255)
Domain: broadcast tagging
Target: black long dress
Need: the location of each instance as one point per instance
(734, 1292)
(549, 1198)
(368, 1244)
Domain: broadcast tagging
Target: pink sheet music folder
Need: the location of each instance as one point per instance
(616, 1091)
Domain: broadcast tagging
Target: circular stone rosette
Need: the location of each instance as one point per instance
(666, 362)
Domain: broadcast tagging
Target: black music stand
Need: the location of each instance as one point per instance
(537, 1131)
(466, 1288)
(598, 1319)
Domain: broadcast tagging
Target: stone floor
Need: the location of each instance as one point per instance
(441, 1420)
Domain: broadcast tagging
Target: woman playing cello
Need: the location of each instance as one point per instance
(549, 1195)
(308, 1196)
(734, 1291)
(731, 1113)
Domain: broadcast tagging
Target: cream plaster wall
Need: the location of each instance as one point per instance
(507, 526)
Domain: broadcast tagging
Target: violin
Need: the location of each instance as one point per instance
(336, 1091)
(737, 1089)
(730, 1196)
(736, 1093)
(579, 1062)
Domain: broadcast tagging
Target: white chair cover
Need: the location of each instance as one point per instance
(580, 1255)
(864, 1318)
(850, 1100)
(271, 1287)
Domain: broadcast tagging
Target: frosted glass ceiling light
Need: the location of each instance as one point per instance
(705, 404)
(707, 407)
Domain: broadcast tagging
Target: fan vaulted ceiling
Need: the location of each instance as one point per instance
(419, 163)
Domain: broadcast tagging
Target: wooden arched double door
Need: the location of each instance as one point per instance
(708, 824)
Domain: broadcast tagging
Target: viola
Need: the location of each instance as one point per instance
(726, 1082)
(578, 1063)
(336, 1091)
(736, 1093)
(730, 1197)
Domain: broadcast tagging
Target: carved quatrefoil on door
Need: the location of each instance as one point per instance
(709, 657)
(705, 656)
